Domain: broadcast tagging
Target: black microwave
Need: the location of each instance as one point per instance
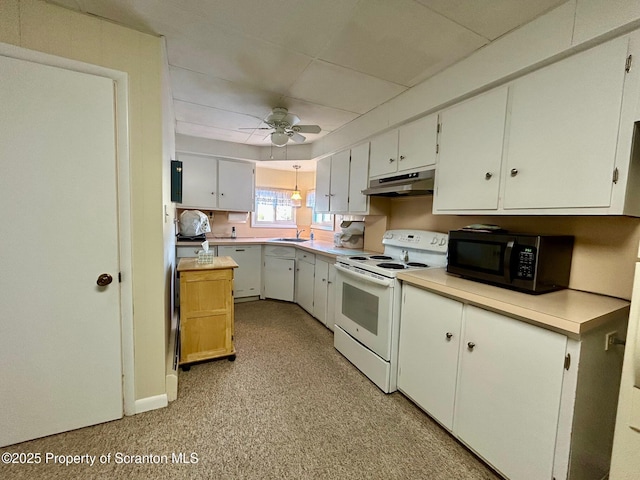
(524, 262)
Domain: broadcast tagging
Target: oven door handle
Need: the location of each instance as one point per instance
(364, 278)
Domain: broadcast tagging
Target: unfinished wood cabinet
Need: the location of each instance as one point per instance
(206, 310)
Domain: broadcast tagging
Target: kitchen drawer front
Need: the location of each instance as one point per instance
(303, 256)
(280, 251)
(191, 251)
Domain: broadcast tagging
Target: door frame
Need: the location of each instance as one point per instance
(121, 95)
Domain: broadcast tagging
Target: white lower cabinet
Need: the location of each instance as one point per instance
(428, 352)
(331, 297)
(533, 403)
(320, 290)
(246, 278)
(305, 270)
(279, 272)
(508, 395)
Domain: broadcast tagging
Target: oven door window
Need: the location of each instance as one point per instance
(361, 307)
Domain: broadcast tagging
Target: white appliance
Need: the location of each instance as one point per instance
(368, 300)
(625, 461)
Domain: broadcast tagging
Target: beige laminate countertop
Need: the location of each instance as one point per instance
(314, 246)
(570, 312)
(219, 263)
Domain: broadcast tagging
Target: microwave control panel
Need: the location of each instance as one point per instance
(526, 262)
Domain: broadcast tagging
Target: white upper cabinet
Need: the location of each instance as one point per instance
(563, 131)
(564, 146)
(209, 183)
(199, 181)
(407, 148)
(384, 154)
(340, 180)
(359, 179)
(470, 153)
(332, 183)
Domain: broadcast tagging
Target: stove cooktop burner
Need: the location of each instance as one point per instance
(394, 266)
(357, 258)
(381, 257)
(416, 264)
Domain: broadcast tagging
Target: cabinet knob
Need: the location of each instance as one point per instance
(514, 172)
(104, 280)
(471, 345)
(449, 335)
(488, 175)
(402, 157)
(391, 160)
(213, 193)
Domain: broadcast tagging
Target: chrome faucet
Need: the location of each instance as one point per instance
(298, 232)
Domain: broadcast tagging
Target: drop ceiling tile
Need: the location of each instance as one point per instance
(334, 86)
(195, 130)
(213, 117)
(327, 118)
(235, 58)
(491, 18)
(400, 41)
(304, 26)
(204, 89)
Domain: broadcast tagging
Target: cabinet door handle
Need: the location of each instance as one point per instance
(488, 175)
(449, 335)
(213, 193)
(514, 172)
(471, 345)
(196, 251)
(239, 249)
(402, 157)
(391, 160)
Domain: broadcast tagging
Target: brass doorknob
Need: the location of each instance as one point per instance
(104, 280)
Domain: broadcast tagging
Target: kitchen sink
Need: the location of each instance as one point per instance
(298, 240)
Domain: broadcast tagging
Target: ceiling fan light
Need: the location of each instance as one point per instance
(279, 139)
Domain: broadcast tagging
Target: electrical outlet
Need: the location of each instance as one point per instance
(609, 339)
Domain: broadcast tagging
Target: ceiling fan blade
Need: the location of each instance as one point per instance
(254, 128)
(307, 128)
(296, 137)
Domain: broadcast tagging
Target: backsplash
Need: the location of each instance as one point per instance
(605, 247)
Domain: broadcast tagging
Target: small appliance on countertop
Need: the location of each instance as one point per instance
(525, 262)
(351, 236)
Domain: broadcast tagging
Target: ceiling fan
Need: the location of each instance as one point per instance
(286, 126)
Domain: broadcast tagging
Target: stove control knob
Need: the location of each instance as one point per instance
(443, 241)
(434, 240)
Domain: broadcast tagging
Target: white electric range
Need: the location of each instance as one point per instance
(368, 300)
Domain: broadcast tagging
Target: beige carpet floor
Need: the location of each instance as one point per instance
(289, 407)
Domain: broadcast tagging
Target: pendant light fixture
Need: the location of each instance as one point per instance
(296, 198)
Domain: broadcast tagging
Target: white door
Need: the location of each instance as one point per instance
(417, 143)
(428, 353)
(508, 396)
(359, 179)
(320, 290)
(60, 347)
(279, 278)
(563, 131)
(199, 181)
(470, 156)
(323, 184)
(235, 184)
(339, 196)
(384, 154)
(304, 285)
